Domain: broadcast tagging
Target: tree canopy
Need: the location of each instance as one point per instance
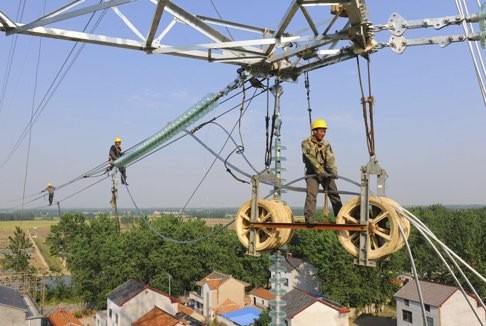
(164, 257)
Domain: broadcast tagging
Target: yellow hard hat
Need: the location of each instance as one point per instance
(49, 184)
(319, 123)
(117, 140)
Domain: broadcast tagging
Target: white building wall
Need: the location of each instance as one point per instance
(137, 307)
(305, 278)
(456, 311)
(319, 314)
(206, 295)
(416, 310)
(12, 316)
(259, 301)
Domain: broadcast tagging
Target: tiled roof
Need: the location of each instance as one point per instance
(63, 318)
(263, 293)
(434, 294)
(126, 291)
(213, 284)
(215, 279)
(190, 315)
(214, 276)
(297, 300)
(12, 298)
(227, 306)
(292, 263)
(157, 317)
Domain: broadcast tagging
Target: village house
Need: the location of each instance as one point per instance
(261, 297)
(444, 305)
(220, 293)
(61, 317)
(299, 274)
(304, 308)
(18, 310)
(130, 301)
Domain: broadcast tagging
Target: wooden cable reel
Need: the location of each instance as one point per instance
(384, 234)
(269, 211)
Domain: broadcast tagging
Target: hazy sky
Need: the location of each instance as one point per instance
(429, 116)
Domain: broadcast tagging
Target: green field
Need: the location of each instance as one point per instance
(39, 229)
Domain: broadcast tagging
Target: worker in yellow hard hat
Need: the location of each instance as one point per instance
(116, 152)
(50, 190)
(320, 168)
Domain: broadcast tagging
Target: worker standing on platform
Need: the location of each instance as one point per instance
(320, 168)
(116, 152)
(50, 190)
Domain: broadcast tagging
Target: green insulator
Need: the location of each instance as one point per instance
(278, 269)
(197, 111)
(281, 303)
(278, 314)
(280, 280)
(278, 291)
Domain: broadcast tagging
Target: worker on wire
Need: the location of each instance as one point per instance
(320, 168)
(116, 152)
(50, 190)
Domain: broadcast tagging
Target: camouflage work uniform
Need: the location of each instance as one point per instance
(319, 158)
(50, 191)
(113, 155)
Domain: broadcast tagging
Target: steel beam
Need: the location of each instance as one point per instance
(60, 17)
(317, 226)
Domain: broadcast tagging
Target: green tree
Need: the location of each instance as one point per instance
(18, 258)
(264, 319)
(63, 236)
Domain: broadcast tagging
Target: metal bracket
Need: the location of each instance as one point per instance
(399, 43)
(265, 175)
(398, 25)
(372, 168)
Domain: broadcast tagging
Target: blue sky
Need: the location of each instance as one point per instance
(429, 116)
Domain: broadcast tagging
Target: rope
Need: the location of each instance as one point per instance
(220, 17)
(268, 149)
(89, 186)
(103, 168)
(307, 86)
(365, 102)
(267, 124)
(36, 78)
(238, 149)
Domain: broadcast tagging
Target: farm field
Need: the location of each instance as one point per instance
(38, 229)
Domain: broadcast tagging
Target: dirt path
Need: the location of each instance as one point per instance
(38, 255)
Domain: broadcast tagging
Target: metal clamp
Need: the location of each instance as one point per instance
(372, 168)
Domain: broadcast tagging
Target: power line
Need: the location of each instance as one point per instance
(61, 74)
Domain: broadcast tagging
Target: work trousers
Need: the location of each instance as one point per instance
(313, 190)
(123, 173)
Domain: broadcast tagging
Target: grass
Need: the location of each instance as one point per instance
(9, 226)
(39, 229)
(53, 262)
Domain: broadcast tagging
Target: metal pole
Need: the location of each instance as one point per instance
(277, 91)
(169, 283)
